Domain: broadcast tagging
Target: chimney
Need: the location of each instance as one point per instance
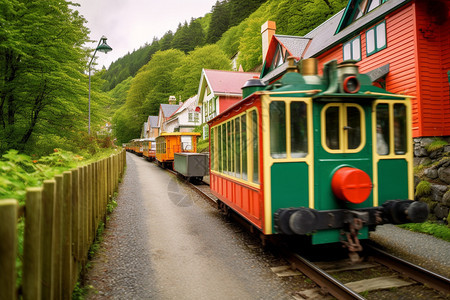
(172, 100)
(267, 31)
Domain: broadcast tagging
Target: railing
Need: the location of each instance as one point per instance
(61, 221)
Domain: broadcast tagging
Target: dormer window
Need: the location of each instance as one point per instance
(279, 58)
(356, 9)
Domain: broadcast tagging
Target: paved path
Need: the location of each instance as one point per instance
(165, 242)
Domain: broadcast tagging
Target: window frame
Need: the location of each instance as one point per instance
(375, 34)
(225, 162)
(343, 133)
(350, 42)
(287, 156)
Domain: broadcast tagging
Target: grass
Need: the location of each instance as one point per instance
(437, 230)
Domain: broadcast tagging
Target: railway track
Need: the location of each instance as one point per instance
(400, 272)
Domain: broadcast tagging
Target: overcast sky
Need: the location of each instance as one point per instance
(129, 24)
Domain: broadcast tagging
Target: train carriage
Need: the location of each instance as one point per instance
(328, 157)
(149, 148)
(169, 143)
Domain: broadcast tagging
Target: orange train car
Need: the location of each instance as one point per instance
(169, 143)
(149, 148)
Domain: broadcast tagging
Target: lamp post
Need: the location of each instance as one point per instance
(105, 48)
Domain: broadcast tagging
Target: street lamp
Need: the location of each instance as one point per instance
(105, 48)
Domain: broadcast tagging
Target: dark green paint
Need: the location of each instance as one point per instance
(289, 183)
(392, 180)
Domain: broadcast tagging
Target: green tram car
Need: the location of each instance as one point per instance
(329, 157)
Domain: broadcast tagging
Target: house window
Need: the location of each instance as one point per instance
(352, 49)
(376, 38)
(193, 117)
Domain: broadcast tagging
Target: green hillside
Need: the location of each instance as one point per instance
(182, 55)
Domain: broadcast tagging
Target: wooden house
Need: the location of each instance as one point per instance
(218, 90)
(403, 45)
(165, 111)
(185, 118)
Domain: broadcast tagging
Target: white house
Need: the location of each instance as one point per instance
(185, 118)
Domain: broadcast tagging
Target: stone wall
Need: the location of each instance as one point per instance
(433, 166)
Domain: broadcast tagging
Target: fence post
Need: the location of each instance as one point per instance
(57, 237)
(8, 246)
(66, 258)
(48, 199)
(31, 272)
(76, 229)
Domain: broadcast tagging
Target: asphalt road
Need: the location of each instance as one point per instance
(165, 242)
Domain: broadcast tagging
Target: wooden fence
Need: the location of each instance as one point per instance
(61, 221)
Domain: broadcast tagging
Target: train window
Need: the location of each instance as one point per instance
(212, 148)
(400, 129)
(277, 113)
(353, 127)
(222, 148)
(332, 127)
(255, 142)
(299, 135)
(237, 143)
(383, 129)
(244, 146)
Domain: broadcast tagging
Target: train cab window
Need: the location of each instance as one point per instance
(332, 127)
(288, 129)
(353, 127)
(383, 129)
(277, 111)
(186, 143)
(400, 129)
(391, 136)
(343, 127)
(299, 134)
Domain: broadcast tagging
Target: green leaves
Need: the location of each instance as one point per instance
(41, 70)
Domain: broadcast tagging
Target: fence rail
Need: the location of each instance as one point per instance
(61, 220)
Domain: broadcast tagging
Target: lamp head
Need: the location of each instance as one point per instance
(103, 46)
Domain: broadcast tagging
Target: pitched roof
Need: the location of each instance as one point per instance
(324, 37)
(296, 45)
(168, 109)
(189, 102)
(153, 120)
(227, 82)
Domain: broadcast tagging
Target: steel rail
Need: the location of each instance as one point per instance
(424, 276)
(328, 283)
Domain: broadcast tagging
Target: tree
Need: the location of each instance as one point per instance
(220, 21)
(187, 75)
(42, 88)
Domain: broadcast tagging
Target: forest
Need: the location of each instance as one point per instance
(44, 81)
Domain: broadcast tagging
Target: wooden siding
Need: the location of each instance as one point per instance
(399, 54)
(226, 102)
(246, 200)
(433, 42)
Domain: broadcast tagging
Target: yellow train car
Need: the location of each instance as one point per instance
(169, 143)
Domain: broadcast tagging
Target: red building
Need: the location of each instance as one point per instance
(403, 45)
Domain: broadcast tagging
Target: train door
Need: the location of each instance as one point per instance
(288, 154)
(392, 159)
(342, 139)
